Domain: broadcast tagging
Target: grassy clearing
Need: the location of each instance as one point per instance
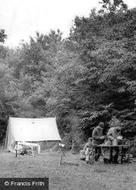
(69, 176)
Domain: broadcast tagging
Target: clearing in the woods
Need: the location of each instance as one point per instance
(69, 175)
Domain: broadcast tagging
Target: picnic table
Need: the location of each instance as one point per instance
(120, 148)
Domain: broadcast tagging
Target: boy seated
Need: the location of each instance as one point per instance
(87, 152)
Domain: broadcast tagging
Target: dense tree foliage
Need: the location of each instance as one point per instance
(3, 36)
(81, 80)
(107, 49)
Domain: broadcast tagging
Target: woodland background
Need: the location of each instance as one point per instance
(81, 80)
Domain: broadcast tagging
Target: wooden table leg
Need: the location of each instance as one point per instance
(121, 154)
(111, 154)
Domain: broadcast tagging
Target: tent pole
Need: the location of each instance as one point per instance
(16, 147)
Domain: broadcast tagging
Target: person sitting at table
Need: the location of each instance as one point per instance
(87, 152)
(114, 136)
(98, 138)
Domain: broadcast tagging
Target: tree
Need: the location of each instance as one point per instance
(106, 45)
(112, 6)
(3, 36)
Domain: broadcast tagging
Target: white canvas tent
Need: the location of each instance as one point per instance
(31, 130)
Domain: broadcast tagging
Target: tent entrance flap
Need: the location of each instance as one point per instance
(31, 130)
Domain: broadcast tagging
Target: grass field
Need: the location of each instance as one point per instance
(69, 176)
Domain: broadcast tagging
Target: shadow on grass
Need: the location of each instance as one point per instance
(69, 164)
(99, 170)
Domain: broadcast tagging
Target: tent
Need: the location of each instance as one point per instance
(31, 130)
